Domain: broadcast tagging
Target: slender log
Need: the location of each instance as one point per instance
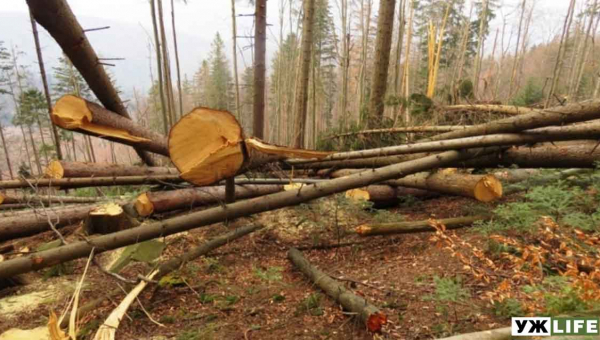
(370, 315)
(11, 207)
(408, 129)
(150, 202)
(78, 114)
(25, 225)
(227, 212)
(45, 199)
(58, 19)
(385, 195)
(38, 210)
(173, 264)
(65, 183)
(577, 112)
(415, 226)
(506, 109)
(65, 169)
(589, 130)
(108, 218)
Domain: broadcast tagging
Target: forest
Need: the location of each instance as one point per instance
(393, 169)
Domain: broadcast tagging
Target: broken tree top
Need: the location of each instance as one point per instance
(208, 145)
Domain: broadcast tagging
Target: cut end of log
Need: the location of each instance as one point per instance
(206, 146)
(2, 198)
(72, 113)
(284, 151)
(358, 195)
(109, 209)
(376, 321)
(488, 189)
(55, 170)
(293, 186)
(143, 206)
(363, 229)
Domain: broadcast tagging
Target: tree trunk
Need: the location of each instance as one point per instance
(507, 109)
(45, 199)
(26, 149)
(383, 45)
(410, 129)
(39, 124)
(383, 196)
(64, 169)
(513, 74)
(302, 90)
(77, 114)
(161, 87)
(479, 52)
(260, 52)
(374, 229)
(397, 62)
(345, 62)
(235, 66)
(370, 315)
(166, 65)
(108, 218)
(58, 19)
(66, 183)
(177, 59)
(34, 150)
(10, 170)
(36, 39)
(153, 202)
(167, 227)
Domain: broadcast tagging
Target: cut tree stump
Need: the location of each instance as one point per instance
(67, 183)
(370, 315)
(108, 218)
(151, 202)
(65, 169)
(208, 145)
(77, 114)
(374, 229)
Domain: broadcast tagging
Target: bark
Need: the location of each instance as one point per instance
(370, 315)
(166, 64)
(507, 109)
(383, 45)
(8, 164)
(26, 148)
(151, 202)
(44, 199)
(65, 169)
(36, 155)
(409, 129)
(260, 52)
(570, 132)
(172, 265)
(397, 62)
(415, 226)
(108, 218)
(302, 90)
(66, 183)
(161, 88)
(36, 39)
(235, 66)
(513, 74)
(405, 88)
(176, 59)
(77, 114)
(385, 195)
(479, 52)
(11, 207)
(228, 212)
(560, 115)
(58, 19)
(345, 62)
(25, 225)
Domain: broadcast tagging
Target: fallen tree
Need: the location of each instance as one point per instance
(108, 218)
(406, 129)
(44, 199)
(65, 169)
(385, 195)
(152, 202)
(67, 183)
(77, 114)
(58, 19)
(374, 229)
(221, 213)
(370, 315)
(507, 109)
(208, 145)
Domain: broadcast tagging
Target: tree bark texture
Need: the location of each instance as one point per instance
(260, 52)
(386, 195)
(45, 199)
(374, 229)
(66, 169)
(67, 183)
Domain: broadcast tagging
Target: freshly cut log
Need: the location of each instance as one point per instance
(108, 218)
(58, 19)
(65, 169)
(407, 129)
(150, 202)
(208, 145)
(507, 109)
(45, 199)
(77, 114)
(557, 155)
(174, 263)
(30, 224)
(373, 229)
(221, 213)
(385, 195)
(370, 315)
(589, 130)
(484, 188)
(66, 183)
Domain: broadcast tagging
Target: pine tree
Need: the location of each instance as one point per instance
(69, 81)
(201, 83)
(218, 92)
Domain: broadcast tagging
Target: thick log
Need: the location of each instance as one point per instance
(564, 133)
(16, 206)
(44, 199)
(24, 225)
(77, 114)
(227, 212)
(506, 109)
(173, 264)
(370, 315)
(108, 218)
(65, 169)
(58, 19)
(385, 195)
(151, 202)
(208, 145)
(374, 229)
(557, 155)
(407, 129)
(66, 183)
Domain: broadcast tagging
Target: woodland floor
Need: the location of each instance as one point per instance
(249, 290)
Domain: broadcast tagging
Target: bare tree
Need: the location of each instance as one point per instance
(177, 58)
(260, 51)
(163, 105)
(235, 66)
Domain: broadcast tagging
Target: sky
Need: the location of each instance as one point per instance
(197, 23)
